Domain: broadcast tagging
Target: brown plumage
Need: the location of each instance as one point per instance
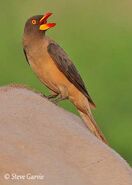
(55, 69)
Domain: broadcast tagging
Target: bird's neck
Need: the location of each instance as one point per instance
(33, 38)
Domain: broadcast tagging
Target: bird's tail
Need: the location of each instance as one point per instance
(92, 126)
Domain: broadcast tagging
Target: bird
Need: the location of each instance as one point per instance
(56, 70)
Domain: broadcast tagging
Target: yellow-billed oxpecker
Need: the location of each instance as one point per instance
(55, 69)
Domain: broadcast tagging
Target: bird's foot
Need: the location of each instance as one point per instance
(50, 97)
(55, 98)
(58, 99)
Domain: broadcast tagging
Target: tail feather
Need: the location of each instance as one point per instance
(91, 124)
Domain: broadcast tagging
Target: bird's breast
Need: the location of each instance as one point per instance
(45, 68)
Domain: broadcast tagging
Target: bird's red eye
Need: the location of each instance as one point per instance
(34, 21)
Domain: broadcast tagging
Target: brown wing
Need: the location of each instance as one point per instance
(66, 66)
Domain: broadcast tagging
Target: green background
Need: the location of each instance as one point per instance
(98, 37)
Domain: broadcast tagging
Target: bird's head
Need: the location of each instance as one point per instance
(38, 24)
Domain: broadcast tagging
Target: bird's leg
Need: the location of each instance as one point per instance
(59, 98)
(63, 94)
(51, 96)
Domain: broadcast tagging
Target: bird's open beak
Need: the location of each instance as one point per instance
(43, 22)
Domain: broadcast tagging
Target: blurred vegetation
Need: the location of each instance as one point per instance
(98, 37)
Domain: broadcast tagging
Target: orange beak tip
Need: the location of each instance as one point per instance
(52, 24)
(49, 13)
